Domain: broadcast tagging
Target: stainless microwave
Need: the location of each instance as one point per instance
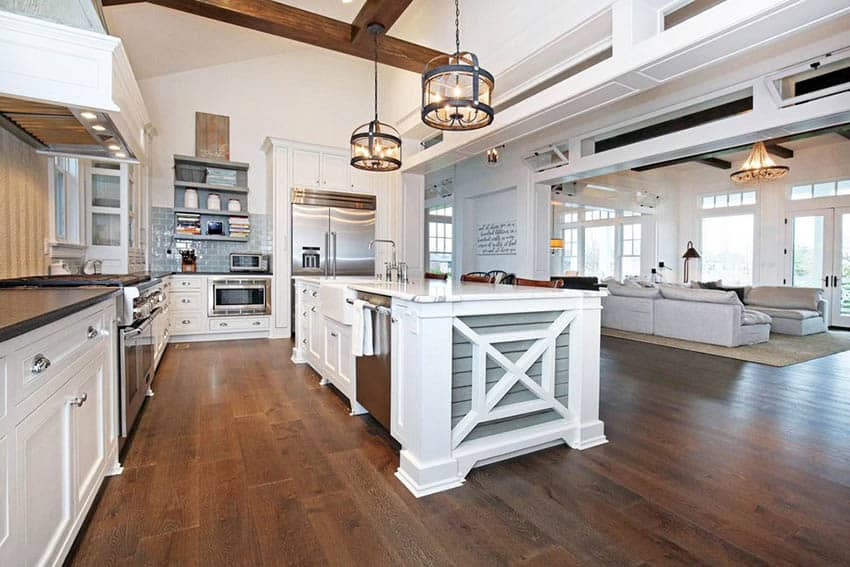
(249, 262)
(239, 296)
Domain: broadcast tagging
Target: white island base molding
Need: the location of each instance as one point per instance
(475, 382)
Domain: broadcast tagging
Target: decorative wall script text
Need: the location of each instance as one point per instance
(496, 238)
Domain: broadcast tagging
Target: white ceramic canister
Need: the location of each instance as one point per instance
(214, 202)
(234, 206)
(190, 199)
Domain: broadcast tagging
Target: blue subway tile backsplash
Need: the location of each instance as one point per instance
(213, 255)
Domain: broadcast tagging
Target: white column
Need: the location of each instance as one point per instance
(422, 395)
(411, 212)
(583, 398)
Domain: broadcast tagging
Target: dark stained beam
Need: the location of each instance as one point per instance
(778, 151)
(121, 2)
(384, 12)
(716, 162)
(307, 27)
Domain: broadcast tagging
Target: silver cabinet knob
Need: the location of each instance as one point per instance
(184, 283)
(78, 401)
(184, 300)
(334, 335)
(256, 323)
(304, 290)
(92, 333)
(313, 309)
(304, 341)
(315, 294)
(39, 364)
(222, 324)
(185, 321)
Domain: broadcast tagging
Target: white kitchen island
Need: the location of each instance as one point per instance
(482, 372)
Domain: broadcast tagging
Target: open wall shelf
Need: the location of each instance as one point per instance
(211, 212)
(178, 236)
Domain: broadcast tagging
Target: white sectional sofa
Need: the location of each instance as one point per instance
(715, 316)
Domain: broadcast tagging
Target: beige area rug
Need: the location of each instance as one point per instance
(780, 350)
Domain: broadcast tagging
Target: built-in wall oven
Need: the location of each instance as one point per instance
(239, 296)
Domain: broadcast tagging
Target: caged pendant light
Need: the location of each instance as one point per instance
(376, 146)
(457, 94)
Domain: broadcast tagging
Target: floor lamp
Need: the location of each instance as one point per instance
(690, 254)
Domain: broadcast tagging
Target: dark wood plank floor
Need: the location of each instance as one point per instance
(243, 459)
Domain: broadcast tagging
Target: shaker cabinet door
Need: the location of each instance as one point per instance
(335, 170)
(306, 169)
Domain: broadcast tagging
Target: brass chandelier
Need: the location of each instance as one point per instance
(759, 167)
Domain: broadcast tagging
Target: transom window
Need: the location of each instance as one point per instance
(727, 199)
(839, 188)
(599, 214)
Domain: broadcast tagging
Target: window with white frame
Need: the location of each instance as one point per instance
(630, 250)
(837, 188)
(599, 214)
(727, 248)
(65, 200)
(600, 251)
(439, 239)
(570, 251)
(727, 199)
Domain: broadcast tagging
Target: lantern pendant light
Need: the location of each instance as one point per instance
(376, 146)
(457, 94)
(759, 167)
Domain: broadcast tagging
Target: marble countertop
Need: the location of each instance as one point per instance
(25, 309)
(438, 291)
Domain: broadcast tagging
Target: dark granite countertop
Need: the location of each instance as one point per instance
(25, 309)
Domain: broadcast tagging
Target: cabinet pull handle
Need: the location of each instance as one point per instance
(184, 300)
(78, 401)
(185, 321)
(222, 324)
(40, 364)
(304, 290)
(315, 294)
(184, 283)
(304, 314)
(313, 309)
(304, 341)
(92, 333)
(334, 335)
(393, 320)
(256, 323)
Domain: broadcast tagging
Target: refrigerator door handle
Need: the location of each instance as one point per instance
(327, 252)
(333, 235)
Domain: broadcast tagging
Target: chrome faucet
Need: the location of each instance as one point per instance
(390, 267)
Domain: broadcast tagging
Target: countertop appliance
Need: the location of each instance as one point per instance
(136, 344)
(249, 262)
(230, 296)
(374, 372)
(339, 226)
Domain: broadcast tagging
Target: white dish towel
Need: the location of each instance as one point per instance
(361, 330)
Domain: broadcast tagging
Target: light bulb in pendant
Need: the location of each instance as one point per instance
(456, 91)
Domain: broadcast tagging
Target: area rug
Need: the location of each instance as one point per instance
(781, 350)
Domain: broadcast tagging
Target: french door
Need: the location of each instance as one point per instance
(819, 256)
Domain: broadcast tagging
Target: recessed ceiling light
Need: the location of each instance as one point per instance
(120, 154)
(89, 115)
(98, 127)
(114, 147)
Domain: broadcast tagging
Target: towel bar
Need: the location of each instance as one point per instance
(377, 308)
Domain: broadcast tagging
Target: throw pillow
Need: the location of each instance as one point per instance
(701, 295)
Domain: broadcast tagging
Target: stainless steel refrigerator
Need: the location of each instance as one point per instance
(331, 234)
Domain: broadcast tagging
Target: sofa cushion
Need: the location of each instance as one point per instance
(753, 317)
(701, 295)
(798, 314)
(741, 291)
(633, 290)
(781, 297)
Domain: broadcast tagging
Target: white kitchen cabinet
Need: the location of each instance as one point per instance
(44, 481)
(58, 441)
(347, 362)
(319, 169)
(335, 171)
(332, 333)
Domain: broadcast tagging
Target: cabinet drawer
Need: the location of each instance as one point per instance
(186, 301)
(46, 355)
(238, 324)
(183, 324)
(186, 282)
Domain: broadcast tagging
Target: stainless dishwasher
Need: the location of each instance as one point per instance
(373, 372)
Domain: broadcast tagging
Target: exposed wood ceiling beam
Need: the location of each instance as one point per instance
(778, 151)
(716, 162)
(307, 27)
(384, 12)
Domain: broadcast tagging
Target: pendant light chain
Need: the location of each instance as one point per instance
(457, 27)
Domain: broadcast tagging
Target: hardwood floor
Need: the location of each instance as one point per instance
(241, 458)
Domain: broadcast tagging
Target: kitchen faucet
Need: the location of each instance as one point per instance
(389, 266)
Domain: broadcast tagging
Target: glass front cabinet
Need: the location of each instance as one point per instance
(112, 212)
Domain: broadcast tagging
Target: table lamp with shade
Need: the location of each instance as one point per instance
(690, 254)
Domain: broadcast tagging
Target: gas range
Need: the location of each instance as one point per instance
(143, 293)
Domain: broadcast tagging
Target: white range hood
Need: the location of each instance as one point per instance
(48, 62)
